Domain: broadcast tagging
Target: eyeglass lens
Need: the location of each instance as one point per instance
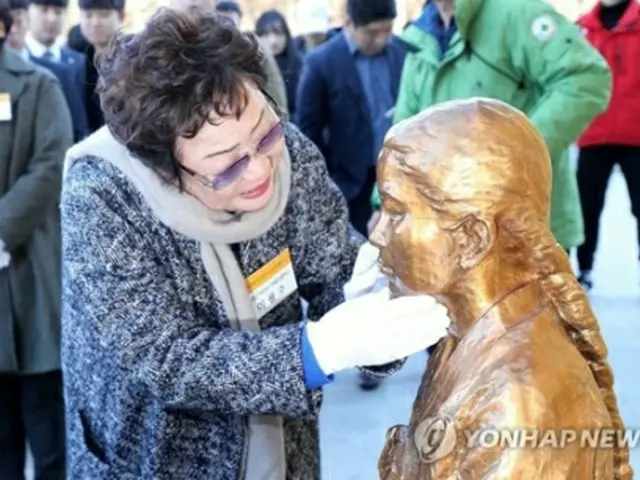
(233, 172)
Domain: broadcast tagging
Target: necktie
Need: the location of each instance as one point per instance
(47, 55)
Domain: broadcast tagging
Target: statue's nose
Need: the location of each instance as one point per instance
(380, 233)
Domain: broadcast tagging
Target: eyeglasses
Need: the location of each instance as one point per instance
(234, 171)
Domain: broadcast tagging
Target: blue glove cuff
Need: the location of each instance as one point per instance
(314, 377)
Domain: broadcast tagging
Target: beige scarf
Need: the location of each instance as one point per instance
(182, 212)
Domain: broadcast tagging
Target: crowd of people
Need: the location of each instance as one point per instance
(169, 197)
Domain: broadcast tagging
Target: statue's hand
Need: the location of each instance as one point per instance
(392, 453)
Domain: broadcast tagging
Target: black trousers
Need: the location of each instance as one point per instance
(32, 410)
(595, 165)
(360, 207)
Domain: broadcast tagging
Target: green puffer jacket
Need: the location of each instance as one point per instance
(526, 54)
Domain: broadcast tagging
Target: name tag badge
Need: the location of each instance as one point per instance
(5, 107)
(272, 283)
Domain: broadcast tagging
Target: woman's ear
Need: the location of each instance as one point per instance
(474, 236)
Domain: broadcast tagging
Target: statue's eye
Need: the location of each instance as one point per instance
(393, 207)
(396, 218)
(394, 214)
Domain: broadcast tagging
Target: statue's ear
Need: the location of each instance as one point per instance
(474, 237)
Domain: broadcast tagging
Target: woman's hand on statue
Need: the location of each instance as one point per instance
(366, 277)
(375, 330)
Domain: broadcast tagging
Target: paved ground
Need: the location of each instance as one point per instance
(353, 423)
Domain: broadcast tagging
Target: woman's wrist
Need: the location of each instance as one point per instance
(314, 376)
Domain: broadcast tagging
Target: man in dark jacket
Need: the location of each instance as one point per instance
(99, 22)
(346, 97)
(35, 132)
(46, 22)
(67, 75)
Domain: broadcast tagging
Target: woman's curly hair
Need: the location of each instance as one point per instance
(166, 82)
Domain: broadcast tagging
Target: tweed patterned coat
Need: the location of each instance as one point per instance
(157, 384)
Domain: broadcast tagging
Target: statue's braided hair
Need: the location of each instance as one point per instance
(553, 268)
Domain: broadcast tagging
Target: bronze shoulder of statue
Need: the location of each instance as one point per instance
(521, 387)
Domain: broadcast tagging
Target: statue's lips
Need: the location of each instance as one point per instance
(396, 287)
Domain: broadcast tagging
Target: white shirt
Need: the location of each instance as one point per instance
(38, 50)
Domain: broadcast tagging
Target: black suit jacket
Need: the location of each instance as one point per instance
(332, 109)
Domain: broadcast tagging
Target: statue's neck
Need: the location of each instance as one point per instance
(503, 306)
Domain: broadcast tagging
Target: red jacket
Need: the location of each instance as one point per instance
(620, 123)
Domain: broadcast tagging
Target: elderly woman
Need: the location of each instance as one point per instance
(192, 228)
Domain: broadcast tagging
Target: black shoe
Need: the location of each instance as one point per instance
(368, 383)
(585, 280)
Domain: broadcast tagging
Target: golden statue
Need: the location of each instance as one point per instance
(465, 190)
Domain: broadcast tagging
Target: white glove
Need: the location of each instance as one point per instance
(5, 258)
(366, 277)
(374, 330)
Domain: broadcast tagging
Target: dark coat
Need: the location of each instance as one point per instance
(290, 66)
(157, 384)
(95, 117)
(76, 61)
(32, 149)
(333, 110)
(76, 41)
(71, 71)
(68, 78)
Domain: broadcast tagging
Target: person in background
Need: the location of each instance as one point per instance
(46, 20)
(524, 53)
(178, 364)
(77, 41)
(275, 84)
(313, 24)
(99, 22)
(205, 5)
(67, 76)
(231, 10)
(613, 28)
(19, 27)
(345, 102)
(35, 132)
(274, 32)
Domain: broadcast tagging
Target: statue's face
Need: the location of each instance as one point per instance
(416, 252)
